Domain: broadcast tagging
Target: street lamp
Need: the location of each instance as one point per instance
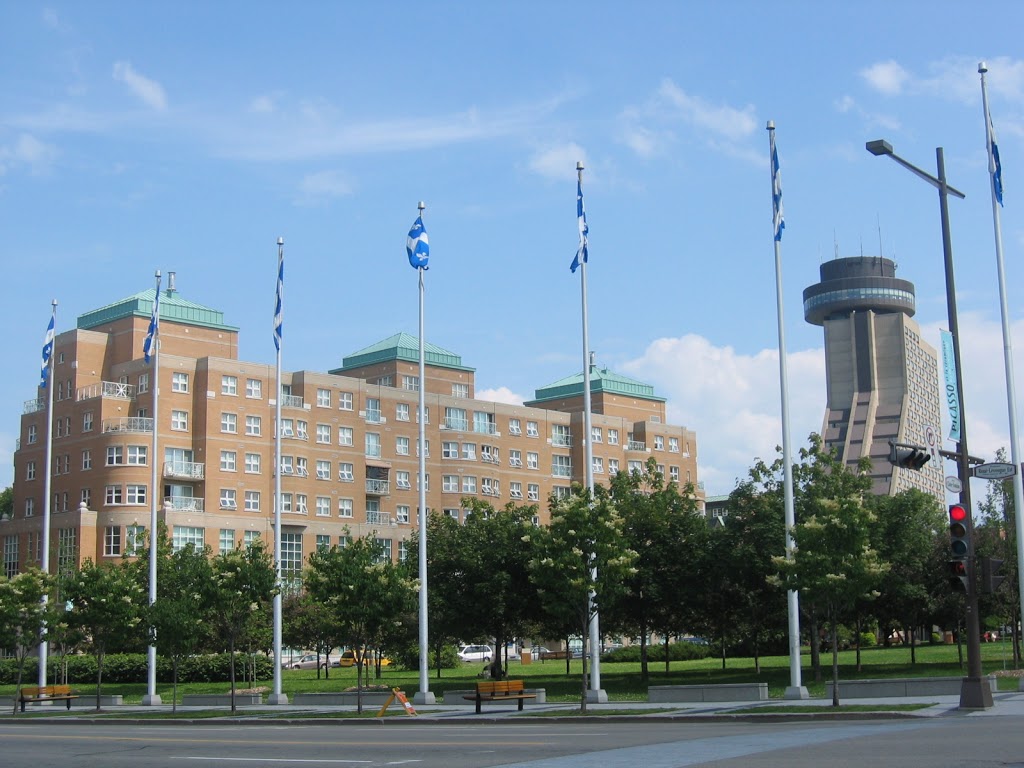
(974, 692)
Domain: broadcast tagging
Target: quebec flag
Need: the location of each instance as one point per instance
(417, 245)
(154, 325)
(44, 371)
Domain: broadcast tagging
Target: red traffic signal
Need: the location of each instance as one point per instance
(958, 522)
(958, 575)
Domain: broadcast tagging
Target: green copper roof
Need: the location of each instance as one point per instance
(601, 380)
(401, 346)
(173, 308)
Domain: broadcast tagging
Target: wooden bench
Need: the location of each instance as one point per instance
(31, 693)
(500, 690)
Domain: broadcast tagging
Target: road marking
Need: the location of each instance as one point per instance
(272, 760)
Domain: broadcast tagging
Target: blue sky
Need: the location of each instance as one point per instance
(188, 136)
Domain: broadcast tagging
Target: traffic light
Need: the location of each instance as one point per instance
(958, 540)
(958, 575)
(990, 581)
(908, 456)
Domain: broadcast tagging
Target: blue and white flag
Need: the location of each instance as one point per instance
(154, 325)
(952, 391)
(994, 167)
(417, 245)
(278, 309)
(778, 220)
(44, 371)
(581, 219)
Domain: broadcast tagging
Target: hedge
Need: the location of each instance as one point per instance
(133, 668)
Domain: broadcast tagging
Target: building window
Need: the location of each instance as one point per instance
(402, 412)
(113, 495)
(323, 506)
(515, 458)
(515, 490)
(673, 474)
(87, 421)
(402, 513)
(613, 437)
(659, 443)
(67, 549)
(469, 484)
(323, 469)
(402, 446)
(346, 471)
(249, 538)
(252, 463)
(115, 455)
(426, 449)
(179, 382)
(112, 541)
(183, 535)
(228, 461)
(483, 423)
(634, 466)
(226, 540)
(345, 401)
(301, 466)
(411, 383)
(253, 426)
(86, 459)
(346, 436)
(30, 470)
(301, 504)
(344, 507)
(426, 485)
(143, 387)
(402, 481)
(287, 428)
(32, 434)
(323, 398)
(179, 421)
(673, 444)
(135, 494)
(598, 465)
(138, 455)
(449, 483)
(86, 497)
(469, 451)
(372, 412)
(531, 429)
(613, 466)
(11, 555)
(449, 449)
(229, 423)
(302, 429)
(386, 381)
(373, 445)
(323, 542)
(454, 514)
(228, 498)
(532, 460)
(455, 418)
(561, 491)
(533, 492)
(30, 507)
(323, 433)
(514, 427)
(254, 389)
(252, 501)
(460, 390)
(229, 385)
(560, 435)
(596, 434)
(561, 466)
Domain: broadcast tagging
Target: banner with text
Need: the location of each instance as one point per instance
(952, 393)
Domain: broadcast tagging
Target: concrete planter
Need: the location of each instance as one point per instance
(341, 699)
(901, 686)
(85, 700)
(221, 700)
(702, 693)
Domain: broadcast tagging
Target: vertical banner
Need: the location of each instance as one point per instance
(952, 394)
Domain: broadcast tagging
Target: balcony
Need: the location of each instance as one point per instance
(34, 405)
(128, 424)
(378, 518)
(292, 401)
(184, 504)
(459, 425)
(485, 427)
(561, 441)
(636, 445)
(375, 487)
(561, 470)
(116, 389)
(184, 470)
(372, 416)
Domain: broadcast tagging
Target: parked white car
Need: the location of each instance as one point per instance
(476, 653)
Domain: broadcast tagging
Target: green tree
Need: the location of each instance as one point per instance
(997, 537)
(581, 561)
(363, 591)
(23, 614)
(7, 503)
(447, 603)
(243, 582)
(107, 606)
(833, 563)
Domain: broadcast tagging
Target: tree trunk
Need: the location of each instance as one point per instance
(858, 627)
(231, 649)
(913, 646)
(644, 672)
(815, 645)
(99, 676)
(568, 653)
(174, 683)
(835, 660)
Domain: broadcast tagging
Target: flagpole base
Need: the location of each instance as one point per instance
(151, 701)
(796, 692)
(598, 696)
(277, 698)
(424, 697)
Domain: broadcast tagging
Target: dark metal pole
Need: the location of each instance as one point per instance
(974, 691)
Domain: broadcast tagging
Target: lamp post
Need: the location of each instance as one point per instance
(974, 692)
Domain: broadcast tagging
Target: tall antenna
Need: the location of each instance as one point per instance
(835, 244)
(878, 219)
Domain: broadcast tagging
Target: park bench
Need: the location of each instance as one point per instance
(32, 693)
(499, 690)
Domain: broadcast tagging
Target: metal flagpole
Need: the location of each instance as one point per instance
(796, 690)
(151, 698)
(48, 343)
(594, 694)
(423, 695)
(1011, 399)
(277, 697)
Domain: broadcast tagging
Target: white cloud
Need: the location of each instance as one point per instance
(262, 104)
(558, 162)
(732, 401)
(322, 186)
(848, 105)
(721, 120)
(888, 77)
(30, 152)
(150, 91)
(500, 395)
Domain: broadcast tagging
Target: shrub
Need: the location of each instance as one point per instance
(134, 668)
(682, 651)
(868, 639)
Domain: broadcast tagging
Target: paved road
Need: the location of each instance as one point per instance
(932, 742)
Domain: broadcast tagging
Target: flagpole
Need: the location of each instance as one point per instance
(277, 697)
(796, 690)
(50, 340)
(423, 695)
(1011, 398)
(151, 698)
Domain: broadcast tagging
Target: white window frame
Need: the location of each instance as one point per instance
(179, 382)
(229, 385)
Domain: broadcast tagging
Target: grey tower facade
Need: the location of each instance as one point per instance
(882, 377)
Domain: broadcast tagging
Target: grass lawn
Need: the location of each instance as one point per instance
(622, 681)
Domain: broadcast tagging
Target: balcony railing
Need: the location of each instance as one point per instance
(34, 405)
(128, 424)
(291, 401)
(636, 445)
(372, 415)
(106, 389)
(184, 470)
(378, 487)
(485, 427)
(451, 422)
(560, 470)
(378, 518)
(184, 503)
(561, 441)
